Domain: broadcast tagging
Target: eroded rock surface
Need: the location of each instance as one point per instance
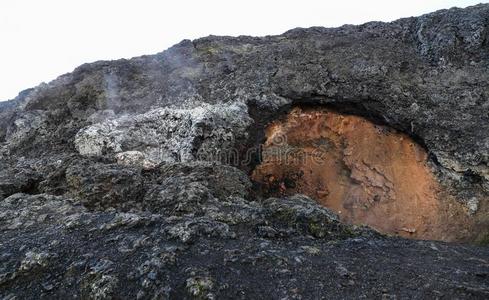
(168, 134)
(366, 173)
(131, 178)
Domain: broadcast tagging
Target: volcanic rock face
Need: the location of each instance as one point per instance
(142, 178)
(168, 134)
(366, 173)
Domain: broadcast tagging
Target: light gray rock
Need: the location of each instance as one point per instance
(169, 135)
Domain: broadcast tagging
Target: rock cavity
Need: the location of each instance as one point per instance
(367, 173)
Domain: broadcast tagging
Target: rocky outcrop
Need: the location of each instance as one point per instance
(131, 178)
(169, 134)
(365, 173)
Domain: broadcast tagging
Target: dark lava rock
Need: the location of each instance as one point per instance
(129, 178)
(105, 185)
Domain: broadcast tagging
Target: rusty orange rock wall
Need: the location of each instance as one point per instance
(366, 173)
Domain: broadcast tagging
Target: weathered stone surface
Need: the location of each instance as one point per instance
(130, 178)
(180, 188)
(169, 134)
(24, 180)
(367, 173)
(104, 186)
(75, 253)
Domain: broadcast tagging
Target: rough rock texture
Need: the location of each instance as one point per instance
(168, 134)
(366, 173)
(130, 178)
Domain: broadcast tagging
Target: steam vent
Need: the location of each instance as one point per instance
(322, 163)
(366, 173)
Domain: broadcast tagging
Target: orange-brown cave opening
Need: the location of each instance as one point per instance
(366, 173)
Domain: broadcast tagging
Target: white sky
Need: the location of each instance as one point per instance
(42, 39)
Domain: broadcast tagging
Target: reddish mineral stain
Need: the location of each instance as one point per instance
(366, 173)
